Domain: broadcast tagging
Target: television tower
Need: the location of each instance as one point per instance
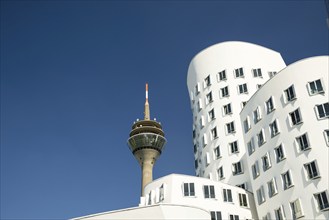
(146, 142)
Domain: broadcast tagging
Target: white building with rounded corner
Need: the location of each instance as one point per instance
(220, 80)
(286, 129)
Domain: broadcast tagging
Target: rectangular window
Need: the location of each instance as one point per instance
(237, 168)
(211, 114)
(279, 213)
(272, 189)
(195, 147)
(290, 93)
(209, 98)
(216, 215)
(204, 140)
(199, 105)
(270, 105)
(322, 200)
(234, 217)
(209, 191)
(161, 193)
(315, 87)
(224, 92)
(230, 127)
(296, 209)
(243, 186)
(251, 146)
(243, 88)
(243, 200)
(257, 72)
(197, 88)
(326, 136)
(295, 117)
(255, 170)
(257, 115)
(222, 75)
(258, 86)
(238, 72)
(227, 109)
(220, 173)
(207, 81)
(217, 152)
(272, 73)
(227, 194)
(234, 147)
(202, 122)
(323, 110)
(196, 165)
(312, 170)
(207, 159)
(261, 138)
(279, 153)
(261, 195)
(274, 128)
(214, 133)
(303, 142)
(286, 180)
(246, 124)
(188, 189)
(266, 161)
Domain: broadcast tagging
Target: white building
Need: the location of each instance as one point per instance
(286, 130)
(220, 80)
(281, 127)
(261, 141)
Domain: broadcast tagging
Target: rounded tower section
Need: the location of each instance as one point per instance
(220, 80)
(287, 136)
(146, 142)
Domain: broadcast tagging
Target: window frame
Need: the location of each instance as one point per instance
(261, 138)
(224, 92)
(303, 142)
(257, 115)
(215, 215)
(287, 181)
(266, 162)
(277, 150)
(222, 76)
(296, 117)
(237, 168)
(230, 128)
(239, 73)
(243, 88)
(217, 152)
(316, 90)
(319, 197)
(220, 172)
(255, 170)
(187, 189)
(227, 195)
(290, 93)
(272, 187)
(243, 201)
(234, 147)
(214, 133)
(211, 114)
(324, 108)
(207, 81)
(257, 73)
(251, 146)
(207, 191)
(227, 109)
(274, 128)
(270, 105)
(296, 205)
(312, 170)
(261, 195)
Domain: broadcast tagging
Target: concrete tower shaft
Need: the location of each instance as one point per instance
(146, 142)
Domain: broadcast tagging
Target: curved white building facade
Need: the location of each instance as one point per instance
(286, 131)
(222, 201)
(220, 80)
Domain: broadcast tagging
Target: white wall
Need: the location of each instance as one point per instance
(225, 56)
(297, 74)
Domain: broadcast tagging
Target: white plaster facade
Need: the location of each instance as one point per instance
(217, 133)
(293, 143)
(220, 199)
(159, 211)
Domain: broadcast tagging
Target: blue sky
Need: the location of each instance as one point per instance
(72, 83)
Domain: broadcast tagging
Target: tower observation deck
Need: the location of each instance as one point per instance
(146, 142)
